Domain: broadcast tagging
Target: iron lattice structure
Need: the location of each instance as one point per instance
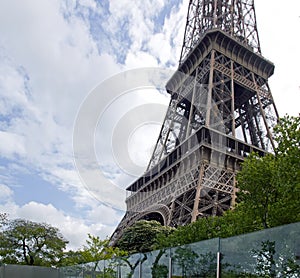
(221, 109)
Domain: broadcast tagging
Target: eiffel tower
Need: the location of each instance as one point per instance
(221, 109)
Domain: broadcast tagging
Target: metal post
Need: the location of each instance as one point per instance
(119, 270)
(218, 264)
(104, 269)
(170, 264)
(219, 257)
(210, 88)
(140, 269)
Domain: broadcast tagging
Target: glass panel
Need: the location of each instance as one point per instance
(73, 271)
(267, 253)
(88, 270)
(195, 260)
(156, 265)
(130, 266)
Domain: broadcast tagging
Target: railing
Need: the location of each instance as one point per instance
(204, 136)
(268, 253)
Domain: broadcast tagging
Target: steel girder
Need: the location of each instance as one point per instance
(221, 109)
(236, 17)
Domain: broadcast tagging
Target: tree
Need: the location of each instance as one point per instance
(142, 236)
(287, 136)
(97, 250)
(258, 187)
(94, 251)
(185, 258)
(270, 185)
(3, 219)
(31, 243)
(269, 193)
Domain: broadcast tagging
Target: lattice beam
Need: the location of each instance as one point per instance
(235, 17)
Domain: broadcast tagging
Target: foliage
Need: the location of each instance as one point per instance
(269, 193)
(94, 251)
(97, 249)
(287, 136)
(133, 261)
(270, 185)
(265, 261)
(3, 219)
(142, 236)
(185, 258)
(268, 265)
(159, 271)
(71, 257)
(230, 224)
(31, 243)
(258, 191)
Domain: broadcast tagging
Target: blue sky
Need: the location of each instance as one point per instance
(53, 53)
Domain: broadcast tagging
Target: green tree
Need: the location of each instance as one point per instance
(94, 251)
(287, 136)
(270, 185)
(185, 258)
(97, 250)
(31, 243)
(142, 236)
(265, 261)
(269, 193)
(3, 219)
(258, 187)
(71, 257)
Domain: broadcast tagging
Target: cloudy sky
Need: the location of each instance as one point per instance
(54, 54)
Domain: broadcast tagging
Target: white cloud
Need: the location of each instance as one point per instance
(11, 144)
(102, 220)
(50, 60)
(48, 64)
(140, 58)
(5, 193)
(73, 229)
(88, 3)
(280, 41)
(60, 65)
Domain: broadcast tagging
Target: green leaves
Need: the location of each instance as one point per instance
(269, 193)
(94, 251)
(258, 186)
(270, 185)
(27, 242)
(97, 249)
(142, 236)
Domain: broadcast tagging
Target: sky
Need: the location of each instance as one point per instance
(60, 62)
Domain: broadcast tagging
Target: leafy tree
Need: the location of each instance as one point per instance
(31, 243)
(94, 251)
(142, 236)
(287, 136)
(159, 271)
(3, 219)
(269, 193)
(265, 261)
(269, 265)
(71, 257)
(270, 185)
(258, 187)
(185, 258)
(97, 250)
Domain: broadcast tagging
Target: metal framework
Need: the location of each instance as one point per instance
(235, 17)
(221, 109)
